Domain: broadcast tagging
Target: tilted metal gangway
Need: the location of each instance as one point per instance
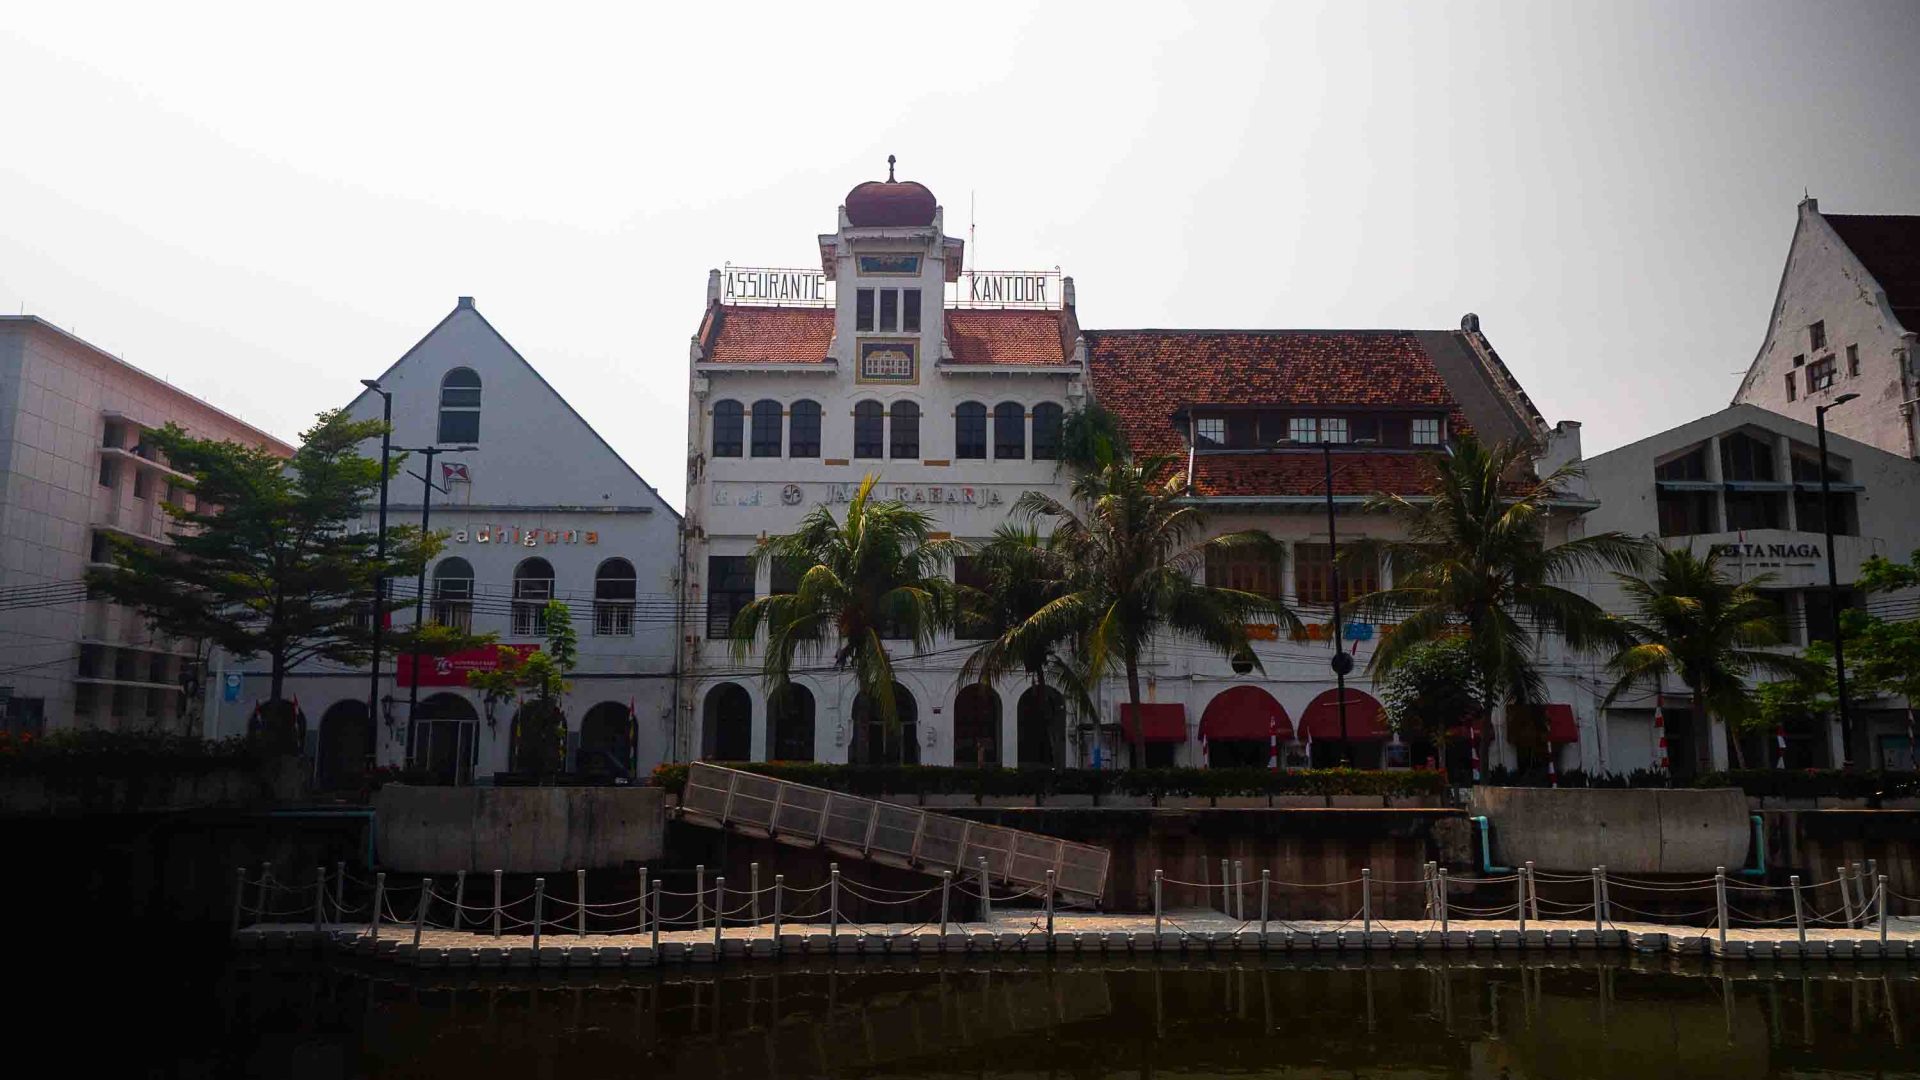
(887, 833)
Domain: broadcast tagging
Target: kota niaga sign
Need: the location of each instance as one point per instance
(960, 496)
(1778, 554)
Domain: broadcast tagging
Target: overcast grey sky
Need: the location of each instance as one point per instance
(266, 204)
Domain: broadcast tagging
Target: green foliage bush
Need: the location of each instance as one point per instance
(1157, 783)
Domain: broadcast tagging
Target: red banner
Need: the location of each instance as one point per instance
(452, 669)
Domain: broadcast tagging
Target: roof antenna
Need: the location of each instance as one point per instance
(973, 252)
(889, 168)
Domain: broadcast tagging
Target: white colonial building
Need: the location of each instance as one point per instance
(887, 360)
(533, 505)
(1745, 481)
(75, 467)
(1846, 319)
(950, 386)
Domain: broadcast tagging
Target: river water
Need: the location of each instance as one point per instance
(1052, 1017)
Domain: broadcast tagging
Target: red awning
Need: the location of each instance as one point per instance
(1364, 717)
(1163, 723)
(1562, 725)
(1245, 712)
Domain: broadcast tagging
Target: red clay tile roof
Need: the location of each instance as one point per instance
(995, 336)
(738, 334)
(1889, 246)
(742, 334)
(1303, 472)
(1146, 376)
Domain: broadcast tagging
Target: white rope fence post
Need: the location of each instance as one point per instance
(1881, 888)
(1533, 893)
(753, 893)
(779, 893)
(539, 913)
(1441, 890)
(719, 910)
(1860, 891)
(1429, 878)
(496, 902)
(1598, 910)
(580, 894)
(260, 908)
(833, 906)
(1366, 900)
(1226, 881)
(986, 894)
(1266, 885)
(339, 890)
(641, 902)
(700, 897)
(379, 904)
(459, 895)
(1520, 902)
(1050, 912)
(1239, 891)
(420, 913)
(946, 890)
(1156, 903)
(1799, 914)
(653, 925)
(319, 897)
(239, 894)
(1606, 895)
(1846, 894)
(1720, 900)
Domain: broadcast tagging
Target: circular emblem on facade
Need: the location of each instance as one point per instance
(791, 495)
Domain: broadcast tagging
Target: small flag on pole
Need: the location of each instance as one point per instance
(1553, 774)
(1309, 747)
(1473, 751)
(1780, 746)
(1660, 731)
(1273, 744)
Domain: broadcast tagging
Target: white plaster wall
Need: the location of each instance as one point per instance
(1823, 280)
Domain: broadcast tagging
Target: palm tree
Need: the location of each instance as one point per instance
(1135, 549)
(1019, 573)
(1475, 561)
(1694, 623)
(877, 575)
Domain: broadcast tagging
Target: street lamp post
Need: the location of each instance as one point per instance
(420, 580)
(380, 579)
(1342, 663)
(1833, 583)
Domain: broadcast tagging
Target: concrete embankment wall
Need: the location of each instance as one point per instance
(1813, 843)
(440, 830)
(1643, 831)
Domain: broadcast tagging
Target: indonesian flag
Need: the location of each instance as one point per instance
(1473, 751)
(1660, 730)
(1780, 746)
(1553, 773)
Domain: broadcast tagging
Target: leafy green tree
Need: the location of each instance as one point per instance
(878, 574)
(1136, 550)
(265, 561)
(1020, 574)
(1880, 574)
(1475, 560)
(1433, 689)
(1091, 438)
(538, 685)
(1694, 623)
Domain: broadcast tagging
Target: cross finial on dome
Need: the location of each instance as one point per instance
(889, 168)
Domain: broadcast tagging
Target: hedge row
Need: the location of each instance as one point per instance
(124, 753)
(943, 780)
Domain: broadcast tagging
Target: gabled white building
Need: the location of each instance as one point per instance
(1846, 319)
(538, 507)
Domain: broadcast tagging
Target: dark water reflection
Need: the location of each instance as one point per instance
(1066, 1018)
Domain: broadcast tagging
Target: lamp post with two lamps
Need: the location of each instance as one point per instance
(380, 579)
(1833, 582)
(428, 487)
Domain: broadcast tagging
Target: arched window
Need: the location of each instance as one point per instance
(453, 594)
(970, 430)
(1046, 431)
(460, 407)
(346, 746)
(869, 430)
(976, 727)
(613, 594)
(790, 716)
(1041, 721)
(766, 428)
(726, 733)
(1009, 430)
(906, 430)
(442, 739)
(803, 430)
(532, 588)
(876, 742)
(728, 420)
(609, 741)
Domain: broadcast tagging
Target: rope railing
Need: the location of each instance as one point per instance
(1250, 903)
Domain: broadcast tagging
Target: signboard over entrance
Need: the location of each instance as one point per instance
(452, 669)
(769, 286)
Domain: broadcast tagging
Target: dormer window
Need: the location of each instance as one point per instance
(887, 311)
(1303, 429)
(1210, 431)
(1333, 429)
(1426, 431)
